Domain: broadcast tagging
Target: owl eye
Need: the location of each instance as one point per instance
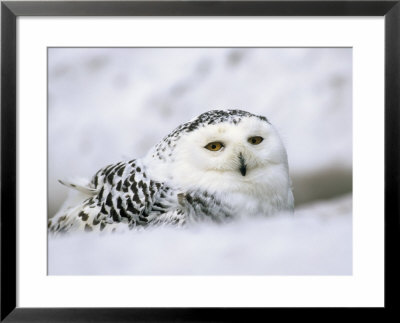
(255, 140)
(214, 146)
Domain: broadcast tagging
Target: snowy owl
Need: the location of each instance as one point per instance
(222, 164)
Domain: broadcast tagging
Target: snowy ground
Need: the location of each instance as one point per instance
(106, 105)
(315, 241)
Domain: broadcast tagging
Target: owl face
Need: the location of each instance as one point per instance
(229, 155)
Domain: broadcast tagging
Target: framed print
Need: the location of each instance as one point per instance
(197, 161)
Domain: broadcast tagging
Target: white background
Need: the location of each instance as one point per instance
(364, 288)
(109, 104)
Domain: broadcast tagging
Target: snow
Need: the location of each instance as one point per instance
(110, 104)
(316, 240)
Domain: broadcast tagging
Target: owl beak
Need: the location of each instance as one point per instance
(243, 166)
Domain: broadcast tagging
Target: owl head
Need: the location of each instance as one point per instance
(226, 151)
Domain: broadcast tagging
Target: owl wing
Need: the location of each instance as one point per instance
(119, 195)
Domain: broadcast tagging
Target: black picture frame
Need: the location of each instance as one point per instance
(10, 10)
